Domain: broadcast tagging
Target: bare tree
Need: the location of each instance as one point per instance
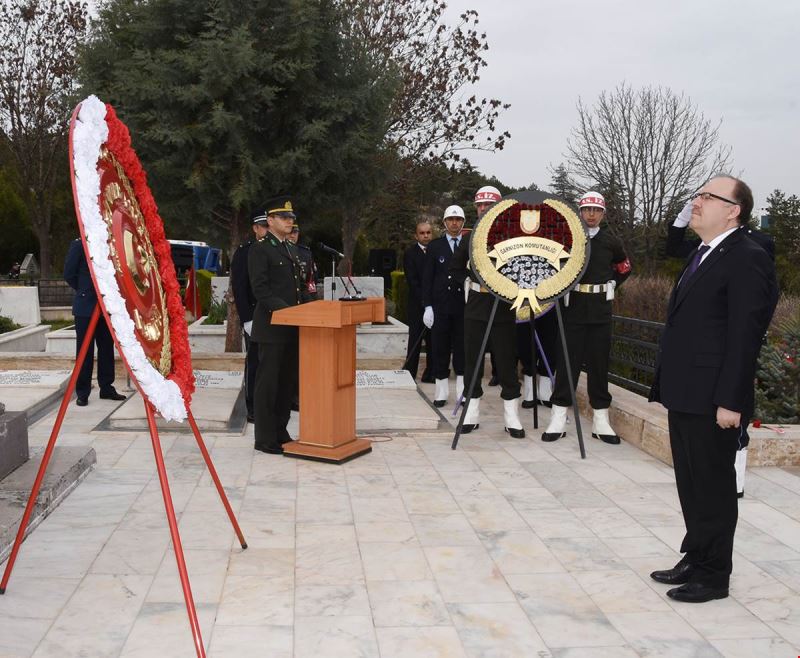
(647, 150)
(434, 116)
(37, 69)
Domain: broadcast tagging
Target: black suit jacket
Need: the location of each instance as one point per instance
(274, 269)
(243, 295)
(715, 324)
(679, 247)
(76, 274)
(414, 268)
(439, 289)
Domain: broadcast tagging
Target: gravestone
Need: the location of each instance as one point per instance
(13, 441)
(366, 286)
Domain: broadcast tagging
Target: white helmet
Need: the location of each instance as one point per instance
(488, 194)
(454, 211)
(592, 200)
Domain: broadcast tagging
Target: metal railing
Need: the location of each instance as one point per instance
(634, 348)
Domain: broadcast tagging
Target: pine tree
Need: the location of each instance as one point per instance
(778, 376)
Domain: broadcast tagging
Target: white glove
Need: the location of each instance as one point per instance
(247, 326)
(427, 317)
(682, 220)
(610, 287)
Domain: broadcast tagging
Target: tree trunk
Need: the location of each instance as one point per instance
(350, 226)
(40, 222)
(233, 331)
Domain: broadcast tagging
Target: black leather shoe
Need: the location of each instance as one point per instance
(678, 575)
(494, 381)
(515, 433)
(612, 439)
(697, 593)
(81, 402)
(269, 449)
(439, 403)
(286, 440)
(112, 395)
(552, 436)
(251, 418)
(428, 379)
(528, 404)
(466, 429)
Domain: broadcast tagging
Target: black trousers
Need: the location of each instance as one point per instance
(105, 357)
(589, 345)
(416, 328)
(250, 370)
(276, 382)
(704, 457)
(448, 341)
(530, 357)
(503, 344)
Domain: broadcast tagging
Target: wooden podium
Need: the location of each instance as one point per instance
(328, 376)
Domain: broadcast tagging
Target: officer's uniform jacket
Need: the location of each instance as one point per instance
(77, 275)
(439, 289)
(243, 295)
(607, 262)
(308, 268)
(274, 269)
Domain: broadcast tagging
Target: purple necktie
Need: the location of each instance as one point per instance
(695, 263)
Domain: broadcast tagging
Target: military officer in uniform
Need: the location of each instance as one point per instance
(502, 337)
(245, 302)
(274, 268)
(443, 299)
(587, 325)
(414, 260)
(307, 265)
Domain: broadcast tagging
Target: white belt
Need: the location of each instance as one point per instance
(591, 287)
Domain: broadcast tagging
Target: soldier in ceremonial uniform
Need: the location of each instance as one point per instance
(443, 299)
(502, 337)
(307, 265)
(274, 269)
(587, 325)
(245, 302)
(414, 267)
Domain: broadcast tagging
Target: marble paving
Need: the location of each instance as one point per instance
(503, 548)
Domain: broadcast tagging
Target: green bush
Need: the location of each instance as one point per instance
(399, 295)
(7, 324)
(778, 374)
(217, 313)
(204, 289)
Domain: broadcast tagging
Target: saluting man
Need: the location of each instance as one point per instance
(245, 302)
(274, 268)
(443, 298)
(587, 325)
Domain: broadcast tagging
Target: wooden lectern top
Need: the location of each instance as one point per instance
(332, 313)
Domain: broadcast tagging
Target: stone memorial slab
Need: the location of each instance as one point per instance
(32, 391)
(37, 378)
(219, 288)
(384, 379)
(231, 379)
(13, 442)
(21, 304)
(368, 286)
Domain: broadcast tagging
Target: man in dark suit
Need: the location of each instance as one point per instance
(77, 275)
(274, 268)
(245, 302)
(414, 267)
(443, 298)
(718, 313)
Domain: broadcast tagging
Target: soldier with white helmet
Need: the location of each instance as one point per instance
(587, 325)
(443, 299)
(502, 337)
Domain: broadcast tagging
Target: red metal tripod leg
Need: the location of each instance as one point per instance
(174, 533)
(215, 477)
(37, 484)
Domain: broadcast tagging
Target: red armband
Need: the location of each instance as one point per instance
(623, 267)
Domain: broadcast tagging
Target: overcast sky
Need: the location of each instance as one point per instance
(738, 60)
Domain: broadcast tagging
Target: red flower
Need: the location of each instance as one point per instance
(119, 144)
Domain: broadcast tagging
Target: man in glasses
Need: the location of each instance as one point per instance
(275, 277)
(718, 312)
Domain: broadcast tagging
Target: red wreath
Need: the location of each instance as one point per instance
(119, 144)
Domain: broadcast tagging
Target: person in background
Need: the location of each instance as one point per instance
(414, 267)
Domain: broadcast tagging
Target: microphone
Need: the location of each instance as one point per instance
(330, 250)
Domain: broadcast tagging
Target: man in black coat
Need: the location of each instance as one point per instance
(77, 275)
(245, 302)
(587, 326)
(274, 268)
(414, 267)
(308, 268)
(718, 313)
(443, 298)
(502, 336)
